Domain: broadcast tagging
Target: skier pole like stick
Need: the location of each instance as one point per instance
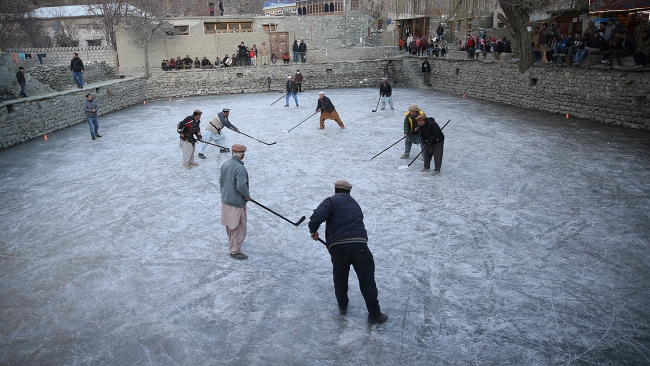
(300, 122)
(375, 110)
(387, 148)
(266, 143)
(279, 99)
(209, 143)
(294, 223)
(421, 151)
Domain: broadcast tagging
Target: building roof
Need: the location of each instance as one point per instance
(278, 4)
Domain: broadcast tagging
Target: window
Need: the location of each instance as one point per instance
(182, 29)
(269, 27)
(242, 27)
(94, 42)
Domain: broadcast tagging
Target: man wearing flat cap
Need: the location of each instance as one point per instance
(411, 129)
(298, 78)
(347, 242)
(386, 92)
(214, 131)
(433, 140)
(327, 110)
(233, 184)
(292, 90)
(189, 132)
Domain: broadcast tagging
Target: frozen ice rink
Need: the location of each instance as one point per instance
(530, 248)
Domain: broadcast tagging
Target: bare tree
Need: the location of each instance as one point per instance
(146, 24)
(517, 19)
(18, 26)
(109, 13)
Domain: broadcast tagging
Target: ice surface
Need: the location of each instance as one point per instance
(531, 246)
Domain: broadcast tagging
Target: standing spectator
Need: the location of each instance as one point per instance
(385, 93)
(20, 76)
(327, 110)
(298, 78)
(642, 54)
(440, 30)
(609, 30)
(77, 68)
(233, 183)
(242, 54)
(292, 90)
(265, 54)
(296, 50)
(470, 47)
(286, 58)
(411, 130)
(189, 132)
(252, 53)
(545, 36)
(409, 43)
(536, 46)
(221, 7)
(591, 28)
(213, 132)
(551, 48)
(555, 30)
(426, 70)
(90, 108)
(302, 48)
(346, 240)
(498, 48)
(433, 141)
(400, 44)
(211, 6)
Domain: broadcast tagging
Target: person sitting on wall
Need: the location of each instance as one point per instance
(179, 63)
(172, 64)
(187, 62)
(217, 62)
(274, 59)
(206, 64)
(164, 65)
(227, 61)
(197, 63)
(286, 58)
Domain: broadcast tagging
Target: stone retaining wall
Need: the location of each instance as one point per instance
(59, 77)
(613, 96)
(351, 74)
(29, 118)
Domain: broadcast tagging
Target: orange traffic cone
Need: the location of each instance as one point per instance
(567, 116)
(144, 102)
(45, 138)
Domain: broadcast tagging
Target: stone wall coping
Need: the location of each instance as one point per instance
(88, 88)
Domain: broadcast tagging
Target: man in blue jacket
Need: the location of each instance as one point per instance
(233, 184)
(347, 241)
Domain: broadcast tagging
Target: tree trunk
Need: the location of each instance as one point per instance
(518, 21)
(146, 61)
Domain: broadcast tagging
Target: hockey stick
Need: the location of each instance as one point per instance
(294, 223)
(209, 143)
(266, 143)
(300, 122)
(387, 148)
(421, 151)
(375, 110)
(279, 99)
